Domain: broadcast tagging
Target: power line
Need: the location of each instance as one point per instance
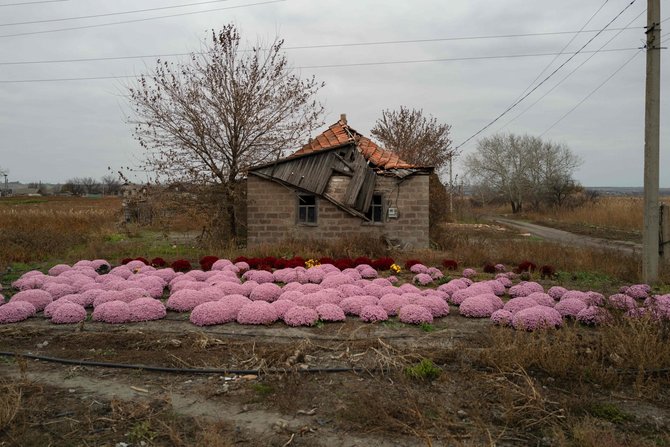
(357, 64)
(331, 45)
(568, 75)
(580, 50)
(562, 50)
(592, 92)
(597, 88)
(112, 13)
(32, 3)
(138, 20)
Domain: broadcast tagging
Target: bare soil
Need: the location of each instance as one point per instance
(277, 402)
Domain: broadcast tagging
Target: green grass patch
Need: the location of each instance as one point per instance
(424, 370)
(609, 412)
(427, 327)
(262, 389)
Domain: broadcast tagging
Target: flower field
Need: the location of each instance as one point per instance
(299, 292)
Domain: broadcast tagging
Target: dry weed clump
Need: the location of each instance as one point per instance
(628, 351)
(10, 403)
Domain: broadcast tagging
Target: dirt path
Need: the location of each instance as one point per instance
(257, 424)
(567, 238)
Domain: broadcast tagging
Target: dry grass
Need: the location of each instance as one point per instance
(10, 403)
(39, 230)
(625, 352)
(623, 213)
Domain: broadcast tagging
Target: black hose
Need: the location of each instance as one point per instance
(185, 370)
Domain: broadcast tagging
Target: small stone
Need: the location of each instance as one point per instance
(462, 414)
(280, 425)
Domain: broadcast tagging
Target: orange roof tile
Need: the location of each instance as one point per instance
(340, 134)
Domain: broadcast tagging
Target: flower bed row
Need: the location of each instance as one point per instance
(233, 292)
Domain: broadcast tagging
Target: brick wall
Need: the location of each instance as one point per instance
(272, 209)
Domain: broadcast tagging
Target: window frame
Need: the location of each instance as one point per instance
(300, 206)
(371, 211)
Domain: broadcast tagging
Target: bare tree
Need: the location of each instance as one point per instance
(90, 185)
(110, 184)
(415, 138)
(523, 168)
(73, 186)
(205, 121)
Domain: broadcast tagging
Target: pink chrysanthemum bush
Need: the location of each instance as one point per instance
(435, 273)
(418, 268)
(622, 301)
(330, 312)
(33, 279)
(476, 307)
(16, 311)
(495, 300)
(570, 307)
(38, 298)
(146, 309)
(476, 289)
(58, 290)
(113, 312)
(469, 273)
(301, 316)
(257, 312)
(436, 305)
(392, 303)
(368, 273)
(422, 279)
(282, 305)
(516, 304)
(186, 300)
(373, 313)
(594, 315)
(354, 304)
(374, 290)
(535, 318)
(109, 295)
(336, 279)
(69, 313)
(452, 286)
(213, 312)
(414, 314)
(265, 292)
(525, 288)
(58, 269)
(52, 306)
(260, 276)
(638, 291)
(502, 317)
(504, 280)
(543, 299)
(556, 292)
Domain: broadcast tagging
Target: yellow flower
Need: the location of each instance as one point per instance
(312, 263)
(395, 268)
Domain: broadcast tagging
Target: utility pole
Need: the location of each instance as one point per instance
(451, 188)
(650, 233)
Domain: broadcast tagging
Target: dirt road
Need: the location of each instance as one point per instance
(564, 237)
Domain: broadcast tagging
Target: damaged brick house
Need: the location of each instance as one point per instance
(339, 184)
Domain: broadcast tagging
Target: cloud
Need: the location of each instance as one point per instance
(52, 131)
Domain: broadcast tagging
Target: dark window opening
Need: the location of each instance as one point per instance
(307, 209)
(376, 211)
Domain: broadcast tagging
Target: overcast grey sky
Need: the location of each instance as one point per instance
(55, 130)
